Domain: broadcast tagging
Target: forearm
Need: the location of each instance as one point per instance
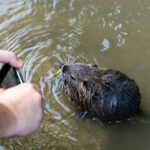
(7, 121)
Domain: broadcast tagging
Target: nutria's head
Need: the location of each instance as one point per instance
(106, 94)
(80, 73)
(80, 77)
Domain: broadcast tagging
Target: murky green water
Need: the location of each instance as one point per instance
(112, 33)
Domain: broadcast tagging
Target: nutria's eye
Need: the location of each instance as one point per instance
(86, 85)
(65, 68)
(94, 65)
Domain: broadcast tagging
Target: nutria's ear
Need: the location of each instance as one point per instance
(94, 65)
(86, 85)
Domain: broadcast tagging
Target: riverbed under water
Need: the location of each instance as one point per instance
(111, 33)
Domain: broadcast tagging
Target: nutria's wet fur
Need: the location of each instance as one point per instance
(106, 94)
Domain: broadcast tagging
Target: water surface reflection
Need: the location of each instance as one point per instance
(110, 33)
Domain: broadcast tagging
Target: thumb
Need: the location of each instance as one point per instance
(10, 58)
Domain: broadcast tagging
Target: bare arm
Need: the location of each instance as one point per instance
(21, 107)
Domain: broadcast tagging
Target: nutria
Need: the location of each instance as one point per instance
(106, 94)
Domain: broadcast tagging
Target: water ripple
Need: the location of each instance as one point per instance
(47, 33)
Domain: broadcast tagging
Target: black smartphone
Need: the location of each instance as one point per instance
(9, 76)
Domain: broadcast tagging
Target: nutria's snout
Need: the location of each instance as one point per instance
(105, 93)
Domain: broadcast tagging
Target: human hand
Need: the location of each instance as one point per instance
(25, 105)
(10, 58)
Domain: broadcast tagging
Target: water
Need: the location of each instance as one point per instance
(111, 33)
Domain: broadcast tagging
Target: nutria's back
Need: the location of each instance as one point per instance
(105, 93)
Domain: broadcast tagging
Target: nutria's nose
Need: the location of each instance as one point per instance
(64, 68)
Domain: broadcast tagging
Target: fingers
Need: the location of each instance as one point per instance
(39, 93)
(2, 90)
(42, 103)
(38, 90)
(10, 58)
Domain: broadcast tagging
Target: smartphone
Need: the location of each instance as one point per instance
(10, 76)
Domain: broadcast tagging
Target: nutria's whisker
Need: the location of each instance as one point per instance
(65, 61)
(69, 59)
(72, 60)
(75, 59)
(60, 84)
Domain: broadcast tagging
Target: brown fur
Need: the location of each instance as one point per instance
(105, 93)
